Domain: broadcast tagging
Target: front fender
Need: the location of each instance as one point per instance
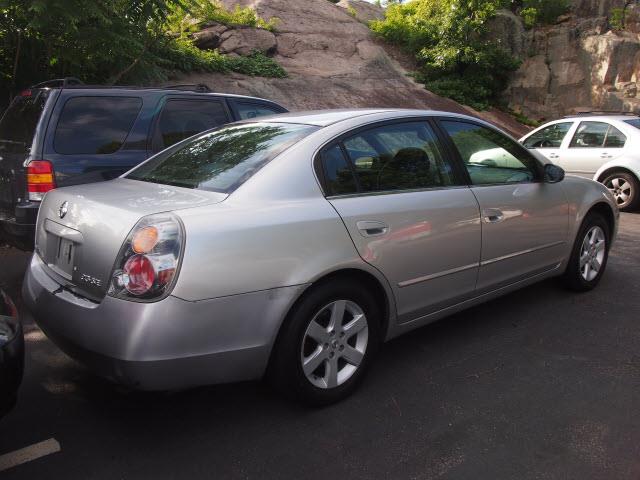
(583, 195)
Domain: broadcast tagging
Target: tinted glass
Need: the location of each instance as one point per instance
(399, 156)
(95, 124)
(590, 135)
(615, 138)
(221, 160)
(549, 137)
(489, 156)
(338, 175)
(18, 125)
(635, 122)
(182, 119)
(253, 110)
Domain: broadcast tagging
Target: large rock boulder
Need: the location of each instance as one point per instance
(209, 37)
(362, 10)
(245, 40)
(507, 29)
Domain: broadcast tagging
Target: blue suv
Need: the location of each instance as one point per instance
(62, 133)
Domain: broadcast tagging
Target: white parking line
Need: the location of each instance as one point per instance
(27, 454)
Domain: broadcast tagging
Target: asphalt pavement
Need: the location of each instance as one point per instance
(539, 384)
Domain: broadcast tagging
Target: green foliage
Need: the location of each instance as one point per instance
(449, 39)
(542, 12)
(616, 18)
(110, 41)
(186, 17)
(352, 11)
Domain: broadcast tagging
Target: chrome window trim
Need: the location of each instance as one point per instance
(393, 192)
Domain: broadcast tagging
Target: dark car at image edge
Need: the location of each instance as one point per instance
(11, 353)
(61, 133)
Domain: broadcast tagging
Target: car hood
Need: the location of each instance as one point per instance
(96, 220)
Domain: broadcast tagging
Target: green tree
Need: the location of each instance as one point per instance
(110, 41)
(450, 41)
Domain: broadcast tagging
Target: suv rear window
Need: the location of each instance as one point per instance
(253, 110)
(18, 125)
(223, 159)
(95, 125)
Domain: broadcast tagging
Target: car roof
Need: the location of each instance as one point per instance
(595, 118)
(323, 118)
(98, 89)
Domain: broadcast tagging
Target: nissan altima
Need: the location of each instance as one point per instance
(293, 246)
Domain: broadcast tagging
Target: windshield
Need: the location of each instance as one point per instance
(223, 159)
(18, 125)
(635, 122)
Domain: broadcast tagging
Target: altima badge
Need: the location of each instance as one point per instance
(63, 209)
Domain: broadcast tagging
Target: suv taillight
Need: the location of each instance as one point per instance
(147, 265)
(39, 179)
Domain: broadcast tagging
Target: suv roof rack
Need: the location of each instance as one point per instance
(59, 82)
(192, 87)
(600, 112)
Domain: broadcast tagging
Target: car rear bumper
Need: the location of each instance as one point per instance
(17, 227)
(170, 344)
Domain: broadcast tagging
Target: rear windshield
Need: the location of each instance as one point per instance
(223, 159)
(18, 125)
(635, 122)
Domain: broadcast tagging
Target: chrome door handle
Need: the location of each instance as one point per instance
(372, 228)
(605, 155)
(554, 155)
(492, 215)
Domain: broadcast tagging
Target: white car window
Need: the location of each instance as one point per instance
(597, 135)
(549, 137)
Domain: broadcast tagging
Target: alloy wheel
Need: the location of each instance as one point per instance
(592, 253)
(334, 344)
(621, 189)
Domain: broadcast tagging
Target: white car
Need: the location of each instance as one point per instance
(605, 148)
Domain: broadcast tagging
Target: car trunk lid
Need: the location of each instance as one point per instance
(81, 229)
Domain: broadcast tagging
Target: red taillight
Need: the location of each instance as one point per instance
(25, 93)
(140, 275)
(147, 265)
(39, 179)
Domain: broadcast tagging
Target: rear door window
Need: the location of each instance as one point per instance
(597, 135)
(95, 125)
(252, 110)
(182, 118)
(399, 156)
(18, 125)
(338, 175)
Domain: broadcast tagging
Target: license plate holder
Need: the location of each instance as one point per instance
(63, 260)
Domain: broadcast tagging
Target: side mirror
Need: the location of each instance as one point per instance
(553, 173)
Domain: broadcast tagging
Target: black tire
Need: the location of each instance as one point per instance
(573, 276)
(285, 370)
(614, 181)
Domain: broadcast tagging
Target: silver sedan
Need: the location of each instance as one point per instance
(292, 246)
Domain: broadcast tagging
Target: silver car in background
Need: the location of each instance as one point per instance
(604, 147)
(294, 245)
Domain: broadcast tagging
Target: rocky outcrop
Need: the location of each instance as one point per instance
(332, 59)
(576, 65)
(362, 10)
